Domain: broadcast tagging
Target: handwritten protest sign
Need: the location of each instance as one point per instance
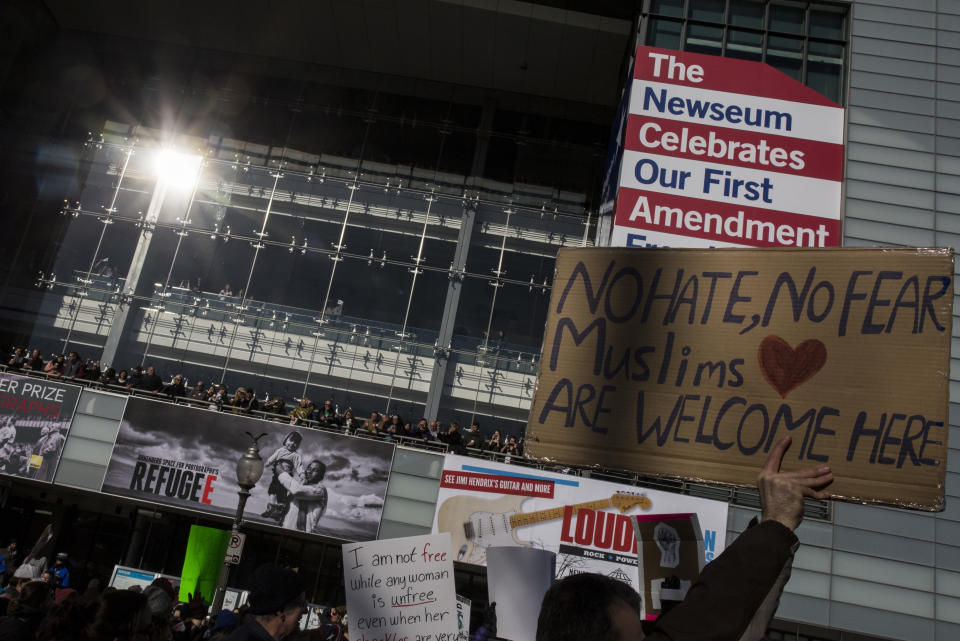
(401, 589)
(693, 363)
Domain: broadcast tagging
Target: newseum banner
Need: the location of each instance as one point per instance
(720, 152)
(35, 416)
(588, 523)
(313, 481)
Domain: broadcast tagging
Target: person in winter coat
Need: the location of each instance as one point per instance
(277, 602)
(61, 571)
(25, 614)
(123, 615)
(735, 596)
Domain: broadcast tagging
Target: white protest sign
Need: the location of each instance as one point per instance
(401, 589)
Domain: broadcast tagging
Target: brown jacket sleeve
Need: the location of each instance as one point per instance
(731, 588)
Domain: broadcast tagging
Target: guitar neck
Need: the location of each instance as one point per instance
(529, 518)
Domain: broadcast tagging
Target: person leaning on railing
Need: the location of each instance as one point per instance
(18, 359)
(36, 361)
(350, 422)
(175, 388)
(55, 366)
(303, 412)
(276, 405)
(199, 391)
(372, 424)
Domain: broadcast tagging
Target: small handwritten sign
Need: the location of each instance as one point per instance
(401, 589)
(693, 363)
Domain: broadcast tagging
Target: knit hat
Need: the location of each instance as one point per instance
(165, 585)
(158, 600)
(273, 588)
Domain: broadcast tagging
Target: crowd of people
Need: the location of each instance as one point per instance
(243, 400)
(735, 597)
(42, 604)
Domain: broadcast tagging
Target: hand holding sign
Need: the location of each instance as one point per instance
(781, 493)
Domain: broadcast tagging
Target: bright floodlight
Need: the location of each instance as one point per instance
(176, 169)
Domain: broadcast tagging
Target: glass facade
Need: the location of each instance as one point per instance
(805, 40)
(374, 269)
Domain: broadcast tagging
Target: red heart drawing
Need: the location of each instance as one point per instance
(786, 368)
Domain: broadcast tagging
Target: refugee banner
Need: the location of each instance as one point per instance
(586, 522)
(313, 481)
(35, 417)
(693, 363)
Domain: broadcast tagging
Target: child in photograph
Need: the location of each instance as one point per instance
(285, 459)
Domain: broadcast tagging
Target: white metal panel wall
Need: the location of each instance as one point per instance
(93, 431)
(885, 572)
(411, 494)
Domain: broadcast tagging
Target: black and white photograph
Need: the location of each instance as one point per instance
(35, 417)
(313, 481)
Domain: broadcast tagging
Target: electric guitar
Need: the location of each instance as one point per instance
(472, 531)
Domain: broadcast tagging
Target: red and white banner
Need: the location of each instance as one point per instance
(720, 152)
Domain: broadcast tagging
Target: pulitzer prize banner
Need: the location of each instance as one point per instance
(693, 363)
(35, 416)
(313, 481)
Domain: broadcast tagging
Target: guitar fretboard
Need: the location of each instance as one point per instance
(529, 518)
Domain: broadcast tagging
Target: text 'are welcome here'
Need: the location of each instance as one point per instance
(698, 393)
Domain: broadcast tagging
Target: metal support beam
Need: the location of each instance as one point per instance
(452, 300)
(128, 304)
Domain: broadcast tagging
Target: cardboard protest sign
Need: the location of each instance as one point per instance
(671, 556)
(693, 363)
(401, 589)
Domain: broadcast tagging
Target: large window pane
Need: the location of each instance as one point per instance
(825, 69)
(376, 293)
(828, 22)
(707, 10)
(746, 45)
(786, 18)
(473, 313)
(215, 189)
(746, 13)
(664, 34)
(672, 8)
(704, 39)
(786, 54)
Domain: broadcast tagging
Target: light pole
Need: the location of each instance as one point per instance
(249, 471)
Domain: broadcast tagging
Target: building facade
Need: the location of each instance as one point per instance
(387, 217)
